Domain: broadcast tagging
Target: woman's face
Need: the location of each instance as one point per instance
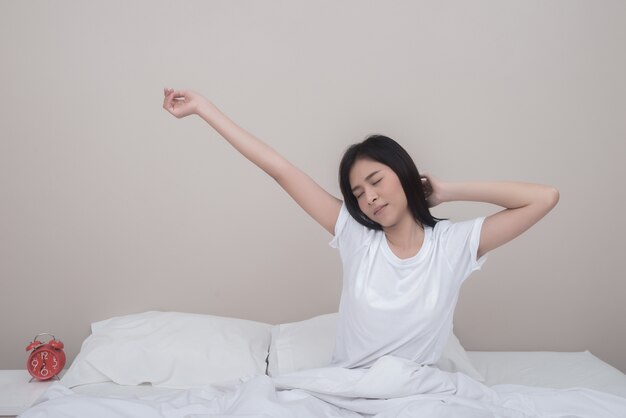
(378, 192)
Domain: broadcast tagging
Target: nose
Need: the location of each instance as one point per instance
(371, 198)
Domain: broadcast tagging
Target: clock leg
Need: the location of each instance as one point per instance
(53, 377)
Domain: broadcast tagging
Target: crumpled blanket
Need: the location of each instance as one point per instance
(392, 387)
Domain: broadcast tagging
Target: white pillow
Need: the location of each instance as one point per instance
(171, 349)
(309, 344)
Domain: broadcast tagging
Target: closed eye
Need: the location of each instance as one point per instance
(373, 184)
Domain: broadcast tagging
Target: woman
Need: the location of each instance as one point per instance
(403, 268)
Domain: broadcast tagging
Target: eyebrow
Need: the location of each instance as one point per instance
(369, 176)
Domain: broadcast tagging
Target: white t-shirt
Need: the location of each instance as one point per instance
(401, 307)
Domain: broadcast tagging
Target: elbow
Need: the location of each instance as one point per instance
(552, 196)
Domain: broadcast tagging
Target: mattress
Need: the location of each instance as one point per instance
(558, 370)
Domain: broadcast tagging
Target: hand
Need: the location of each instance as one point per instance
(433, 189)
(181, 103)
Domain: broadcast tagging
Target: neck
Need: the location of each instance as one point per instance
(406, 235)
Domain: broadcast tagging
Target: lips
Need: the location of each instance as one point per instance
(378, 209)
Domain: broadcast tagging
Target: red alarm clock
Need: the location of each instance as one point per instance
(46, 360)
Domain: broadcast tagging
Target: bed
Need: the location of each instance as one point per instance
(172, 364)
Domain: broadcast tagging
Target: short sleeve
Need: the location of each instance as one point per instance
(349, 234)
(461, 241)
(342, 219)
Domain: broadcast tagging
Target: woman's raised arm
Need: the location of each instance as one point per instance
(525, 204)
(317, 202)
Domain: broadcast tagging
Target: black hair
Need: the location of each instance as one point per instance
(388, 152)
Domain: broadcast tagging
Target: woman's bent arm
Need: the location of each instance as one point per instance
(525, 205)
(317, 202)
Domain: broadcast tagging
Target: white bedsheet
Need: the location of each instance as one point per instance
(557, 370)
(392, 387)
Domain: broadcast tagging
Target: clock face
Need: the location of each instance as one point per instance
(45, 363)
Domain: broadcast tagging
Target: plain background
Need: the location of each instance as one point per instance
(111, 206)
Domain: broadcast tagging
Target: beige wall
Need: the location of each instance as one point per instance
(110, 206)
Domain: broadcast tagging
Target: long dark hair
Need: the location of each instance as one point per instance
(386, 151)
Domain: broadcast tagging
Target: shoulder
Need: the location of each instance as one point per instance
(349, 232)
(459, 242)
(457, 230)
